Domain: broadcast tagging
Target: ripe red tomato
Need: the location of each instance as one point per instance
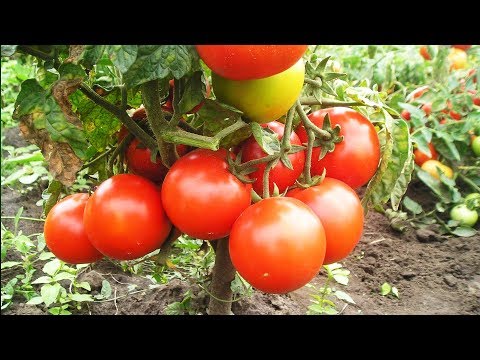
(248, 62)
(405, 114)
(340, 211)
(476, 100)
(124, 218)
(420, 157)
(201, 197)
(472, 72)
(280, 174)
(427, 108)
(424, 53)
(355, 159)
(168, 104)
(139, 162)
(455, 115)
(462, 47)
(277, 245)
(65, 234)
(418, 92)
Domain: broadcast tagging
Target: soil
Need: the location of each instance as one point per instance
(434, 274)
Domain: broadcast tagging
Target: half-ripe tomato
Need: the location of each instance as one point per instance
(424, 53)
(139, 161)
(427, 108)
(421, 157)
(417, 92)
(124, 218)
(405, 114)
(462, 47)
(340, 212)
(435, 167)
(457, 59)
(248, 62)
(355, 159)
(277, 245)
(280, 174)
(265, 99)
(65, 234)
(201, 197)
(168, 106)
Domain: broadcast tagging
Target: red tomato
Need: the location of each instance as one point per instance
(277, 245)
(355, 159)
(462, 47)
(139, 162)
(427, 108)
(443, 121)
(472, 72)
(124, 218)
(420, 157)
(424, 53)
(168, 104)
(340, 211)
(247, 62)
(455, 115)
(65, 234)
(201, 197)
(280, 174)
(405, 114)
(476, 100)
(418, 92)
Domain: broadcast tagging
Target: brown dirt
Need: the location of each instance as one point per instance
(434, 274)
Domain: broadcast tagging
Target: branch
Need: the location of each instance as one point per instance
(310, 125)
(310, 100)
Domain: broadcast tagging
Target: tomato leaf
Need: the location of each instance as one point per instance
(123, 56)
(266, 138)
(158, 62)
(193, 93)
(52, 267)
(343, 296)
(401, 184)
(464, 231)
(81, 297)
(412, 206)
(50, 293)
(91, 54)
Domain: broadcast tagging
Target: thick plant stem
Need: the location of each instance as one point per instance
(308, 159)
(308, 124)
(157, 121)
(324, 103)
(223, 275)
(266, 179)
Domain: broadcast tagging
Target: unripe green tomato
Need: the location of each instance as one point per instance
(464, 215)
(476, 145)
(262, 100)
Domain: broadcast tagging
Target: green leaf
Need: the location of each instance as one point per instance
(43, 280)
(8, 50)
(46, 255)
(31, 100)
(175, 308)
(448, 195)
(160, 62)
(106, 290)
(52, 267)
(341, 279)
(84, 285)
(81, 297)
(344, 296)
(464, 231)
(23, 244)
(412, 206)
(123, 56)
(70, 71)
(37, 300)
(192, 94)
(444, 144)
(91, 54)
(266, 138)
(10, 264)
(50, 293)
(401, 184)
(385, 289)
(51, 194)
(395, 292)
(64, 276)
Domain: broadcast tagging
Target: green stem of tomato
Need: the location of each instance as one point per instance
(180, 136)
(325, 135)
(118, 150)
(469, 182)
(120, 114)
(266, 176)
(324, 103)
(254, 162)
(285, 145)
(99, 157)
(308, 160)
(157, 121)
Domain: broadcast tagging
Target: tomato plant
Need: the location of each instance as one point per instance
(356, 158)
(262, 100)
(340, 212)
(277, 245)
(248, 62)
(124, 218)
(424, 53)
(282, 176)
(435, 168)
(201, 197)
(168, 106)
(65, 233)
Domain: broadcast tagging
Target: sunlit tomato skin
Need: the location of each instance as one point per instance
(430, 166)
(462, 47)
(65, 233)
(139, 161)
(201, 197)
(457, 59)
(168, 106)
(427, 108)
(262, 100)
(405, 114)
(277, 245)
(249, 62)
(124, 218)
(424, 53)
(354, 160)
(420, 157)
(340, 212)
(280, 174)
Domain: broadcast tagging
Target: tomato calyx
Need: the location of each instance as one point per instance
(328, 145)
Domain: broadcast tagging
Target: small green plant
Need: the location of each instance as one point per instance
(322, 298)
(387, 289)
(183, 307)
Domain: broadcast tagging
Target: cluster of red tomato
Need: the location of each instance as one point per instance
(277, 244)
